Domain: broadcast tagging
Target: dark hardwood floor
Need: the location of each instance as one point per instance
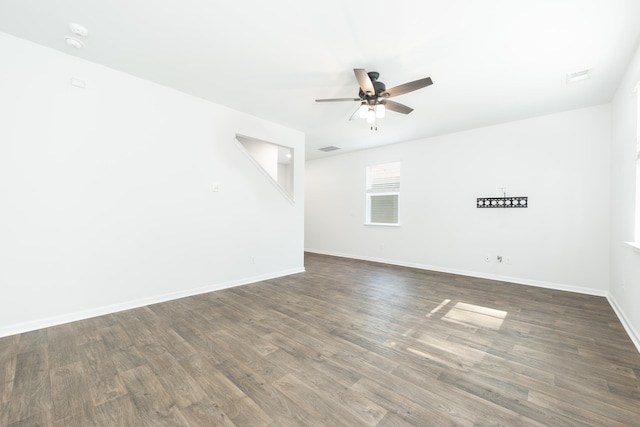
(348, 343)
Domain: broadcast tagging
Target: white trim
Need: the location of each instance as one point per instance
(515, 280)
(633, 334)
(370, 192)
(114, 308)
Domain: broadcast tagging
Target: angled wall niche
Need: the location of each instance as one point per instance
(274, 160)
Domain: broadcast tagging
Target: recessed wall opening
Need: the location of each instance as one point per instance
(274, 160)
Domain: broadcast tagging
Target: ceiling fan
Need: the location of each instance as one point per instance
(374, 96)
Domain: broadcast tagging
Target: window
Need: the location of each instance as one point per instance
(383, 194)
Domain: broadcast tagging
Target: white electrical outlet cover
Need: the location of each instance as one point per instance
(78, 30)
(73, 42)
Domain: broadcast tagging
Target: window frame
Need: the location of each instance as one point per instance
(370, 192)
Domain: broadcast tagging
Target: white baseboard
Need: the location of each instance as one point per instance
(633, 334)
(500, 278)
(114, 308)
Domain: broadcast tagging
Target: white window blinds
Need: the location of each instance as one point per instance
(383, 193)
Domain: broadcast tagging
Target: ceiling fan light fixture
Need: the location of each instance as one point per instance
(380, 111)
(363, 110)
(371, 115)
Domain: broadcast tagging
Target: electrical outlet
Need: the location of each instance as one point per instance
(499, 258)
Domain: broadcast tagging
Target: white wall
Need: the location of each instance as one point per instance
(105, 193)
(625, 261)
(560, 161)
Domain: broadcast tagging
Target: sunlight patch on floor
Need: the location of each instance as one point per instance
(435, 310)
(475, 315)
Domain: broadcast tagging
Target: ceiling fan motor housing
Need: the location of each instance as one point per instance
(379, 87)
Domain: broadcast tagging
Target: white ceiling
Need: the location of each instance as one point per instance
(491, 61)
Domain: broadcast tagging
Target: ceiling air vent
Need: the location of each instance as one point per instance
(578, 76)
(329, 148)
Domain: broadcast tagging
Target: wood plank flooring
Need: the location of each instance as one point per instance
(348, 343)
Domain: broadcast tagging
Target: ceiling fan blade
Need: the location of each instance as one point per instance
(338, 99)
(397, 107)
(407, 87)
(364, 81)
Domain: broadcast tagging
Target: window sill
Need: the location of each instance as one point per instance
(634, 245)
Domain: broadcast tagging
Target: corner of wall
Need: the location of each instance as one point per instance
(628, 327)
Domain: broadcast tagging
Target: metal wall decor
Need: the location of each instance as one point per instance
(502, 202)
